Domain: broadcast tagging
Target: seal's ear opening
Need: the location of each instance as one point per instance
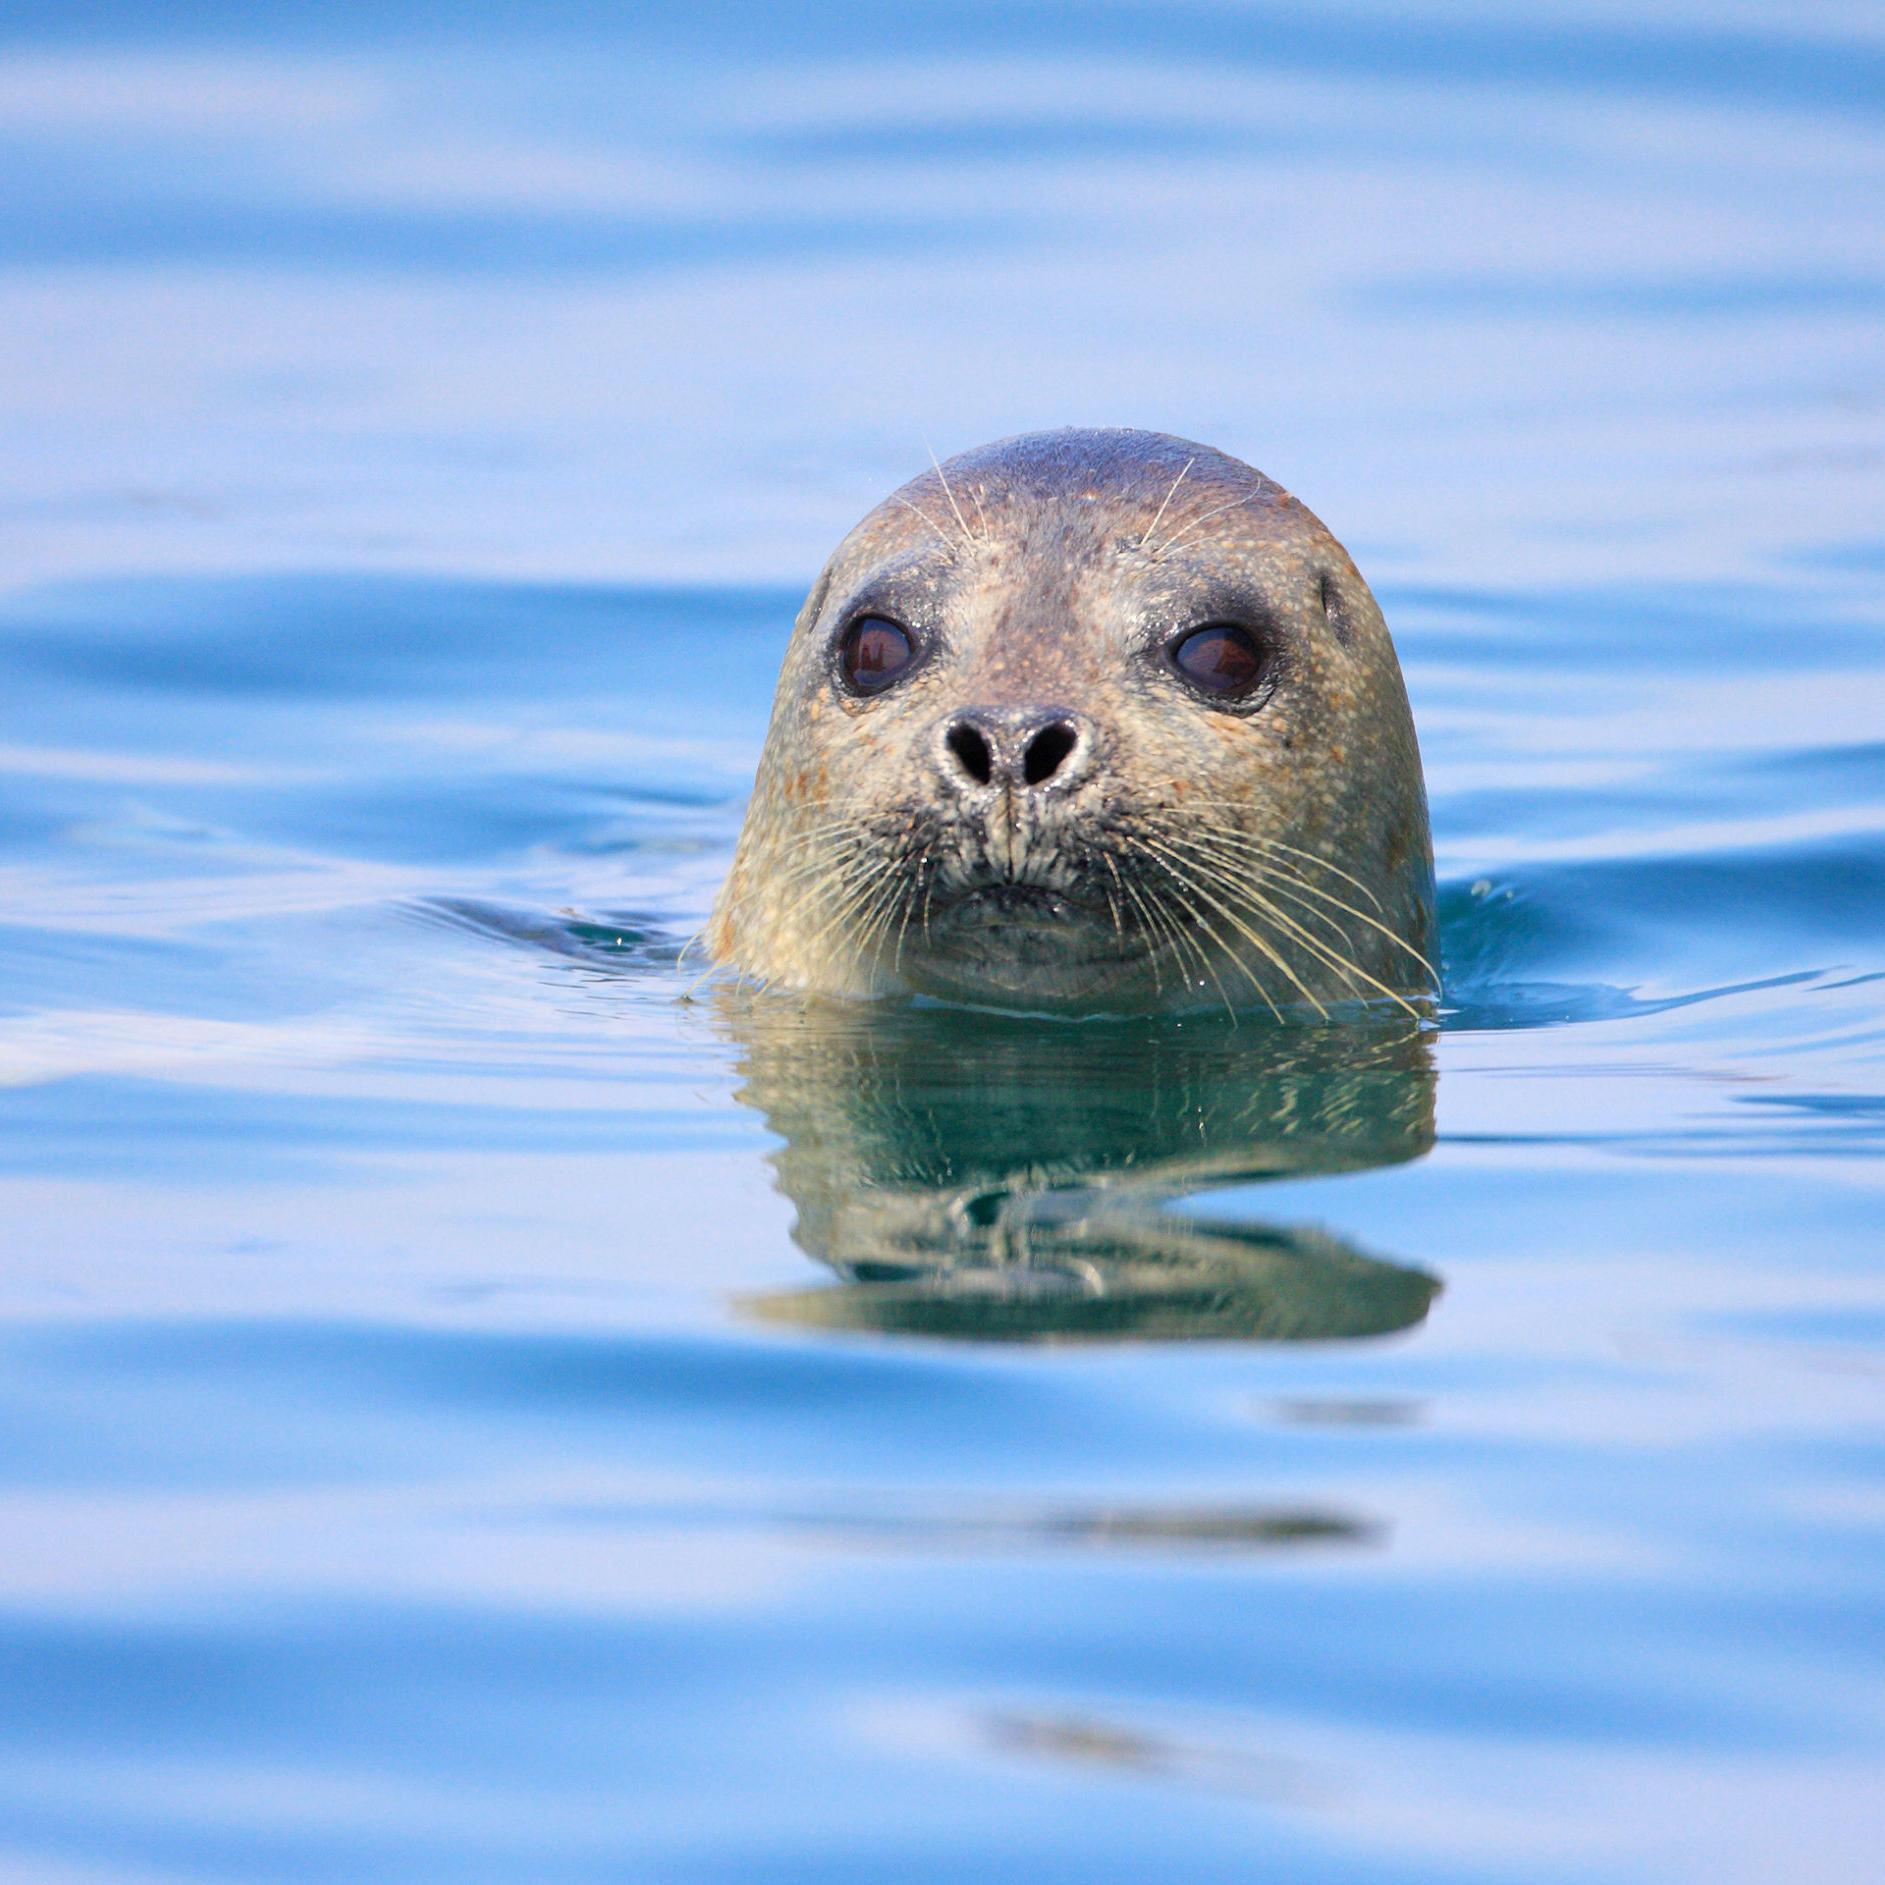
(1333, 608)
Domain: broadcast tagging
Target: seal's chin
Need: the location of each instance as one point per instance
(1021, 945)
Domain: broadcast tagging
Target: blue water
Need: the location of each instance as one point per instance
(477, 1403)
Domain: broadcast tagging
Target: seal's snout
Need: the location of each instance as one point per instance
(1015, 748)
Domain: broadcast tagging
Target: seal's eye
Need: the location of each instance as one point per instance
(1219, 659)
(874, 653)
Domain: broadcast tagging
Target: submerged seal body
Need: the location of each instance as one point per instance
(1088, 721)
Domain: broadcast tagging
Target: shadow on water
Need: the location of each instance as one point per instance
(989, 1178)
(620, 938)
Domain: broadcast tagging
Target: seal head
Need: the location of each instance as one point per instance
(1088, 721)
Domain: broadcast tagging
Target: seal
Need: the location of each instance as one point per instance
(1088, 721)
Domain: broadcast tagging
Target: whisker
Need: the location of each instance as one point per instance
(975, 491)
(942, 478)
(1236, 837)
(1182, 941)
(1327, 953)
(898, 498)
(1162, 857)
(1361, 916)
(903, 927)
(1228, 859)
(1277, 844)
(1158, 980)
(1112, 903)
(1271, 953)
(1160, 930)
(1252, 895)
(1151, 529)
(1265, 875)
(1198, 523)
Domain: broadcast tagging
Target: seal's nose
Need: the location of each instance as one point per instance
(1020, 747)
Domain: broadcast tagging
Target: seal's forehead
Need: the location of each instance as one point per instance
(1081, 494)
(1117, 464)
(1043, 505)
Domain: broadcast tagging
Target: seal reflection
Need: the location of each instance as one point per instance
(981, 1177)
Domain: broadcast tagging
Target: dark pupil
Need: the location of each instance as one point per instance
(1221, 660)
(875, 653)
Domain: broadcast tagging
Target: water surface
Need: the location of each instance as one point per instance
(478, 1403)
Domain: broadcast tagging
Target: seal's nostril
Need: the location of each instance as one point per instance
(972, 753)
(1047, 752)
